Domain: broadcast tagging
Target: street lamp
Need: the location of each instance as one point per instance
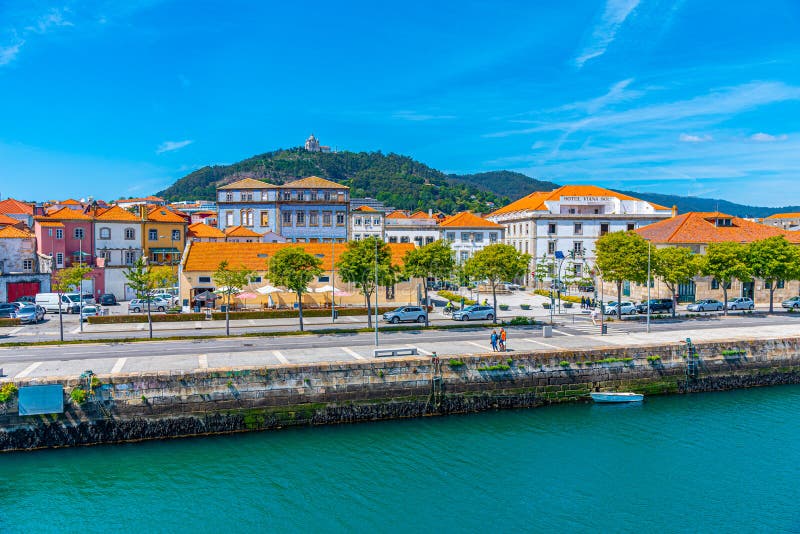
(80, 284)
(648, 286)
(376, 292)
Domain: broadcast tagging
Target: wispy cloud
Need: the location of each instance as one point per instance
(39, 24)
(171, 146)
(9, 53)
(762, 137)
(604, 32)
(416, 116)
(688, 138)
(55, 18)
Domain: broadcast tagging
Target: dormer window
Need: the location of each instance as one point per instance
(724, 223)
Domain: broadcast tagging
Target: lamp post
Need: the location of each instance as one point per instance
(80, 284)
(376, 292)
(648, 286)
(333, 279)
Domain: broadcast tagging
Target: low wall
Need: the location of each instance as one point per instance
(159, 405)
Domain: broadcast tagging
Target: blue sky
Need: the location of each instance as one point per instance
(698, 97)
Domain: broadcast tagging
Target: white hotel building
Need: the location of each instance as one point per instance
(572, 218)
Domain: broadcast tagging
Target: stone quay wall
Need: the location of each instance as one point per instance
(132, 407)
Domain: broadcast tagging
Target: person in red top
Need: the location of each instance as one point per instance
(502, 340)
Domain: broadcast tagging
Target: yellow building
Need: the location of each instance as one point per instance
(201, 259)
(163, 235)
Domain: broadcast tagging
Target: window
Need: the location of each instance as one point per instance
(300, 218)
(392, 239)
(340, 219)
(551, 247)
(247, 217)
(287, 195)
(313, 196)
(130, 257)
(204, 279)
(294, 195)
(357, 221)
(229, 196)
(176, 234)
(376, 221)
(228, 218)
(255, 279)
(105, 233)
(313, 218)
(78, 233)
(577, 247)
(631, 227)
(326, 196)
(492, 237)
(578, 270)
(59, 233)
(626, 288)
(714, 283)
(326, 218)
(27, 265)
(428, 240)
(781, 284)
(287, 218)
(578, 229)
(264, 218)
(451, 236)
(49, 232)
(357, 237)
(551, 228)
(404, 239)
(464, 256)
(464, 236)
(106, 255)
(323, 279)
(247, 196)
(130, 234)
(478, 237)
(603, 229)
(152, 235)
(59, 260)
(418, 240)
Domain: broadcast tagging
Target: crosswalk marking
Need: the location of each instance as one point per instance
(28, 370)
(281, 358)
(202, 361)
(118, 365)
(353, 353)
(542, 343)
(562, 333)
(482, 347)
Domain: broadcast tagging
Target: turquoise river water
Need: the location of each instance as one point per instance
(710, 462)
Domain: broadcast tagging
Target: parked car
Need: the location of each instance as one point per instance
(656, 305)
(740, 303)
(586, 289)
(476, 311)
(26, 298)
(705, 305)
(405, 314)
(74, 302)
(8, 310)
(30, 313)
(88, 298)
(140, 305)
(107, 299)
(89, 311)
(509, 286)
(791, 303)
(50, 302)
(628, 308)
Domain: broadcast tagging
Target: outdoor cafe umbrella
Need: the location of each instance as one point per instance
(205, 296)
(244, 295)
(330, 289)
(267, 289)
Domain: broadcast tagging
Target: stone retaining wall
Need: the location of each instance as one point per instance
(159, 405)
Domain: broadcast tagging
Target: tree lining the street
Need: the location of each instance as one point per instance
(621, 256)
(725, 262)
(434, 260)
(230, 281)
(497, 263)
(294, 268)
(772, 260)
(65, 280)
(675, 266)
(357, 265)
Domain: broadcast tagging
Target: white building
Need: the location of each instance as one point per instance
(469, 233)
(366, 222)
(419, 228)
(118, 244)
(570, 219)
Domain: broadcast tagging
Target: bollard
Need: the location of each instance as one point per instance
(547, 331)
(604, 330)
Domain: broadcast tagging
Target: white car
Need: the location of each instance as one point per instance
(628, 308)
(741, 303)
(140, 305)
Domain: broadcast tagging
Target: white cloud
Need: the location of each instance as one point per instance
(604, 32)
(52, 19)
(687, 138)
(762, 137)
(170, 146)
(9, 53)
(415, 116)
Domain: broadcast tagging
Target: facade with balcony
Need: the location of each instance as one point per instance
(468, 234)
(419, 228)
(365, 222)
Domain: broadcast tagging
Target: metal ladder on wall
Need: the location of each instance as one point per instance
(437, 384)
(692, 363)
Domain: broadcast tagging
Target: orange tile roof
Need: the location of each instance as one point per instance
(64, 214)
(49, 224)
(5, 220)
(784, 216)
(206, 256)
(700, 228)
(9, 232)
(240, 231)
(164, 214)
(70, 202)
(397, 214)
(203, 230)
(536, 200)
(532, 202)
(467, 219)
(15, 207)
(420, 215)
(314, 181)
(364, 208)
(115, 213)
(248, 183)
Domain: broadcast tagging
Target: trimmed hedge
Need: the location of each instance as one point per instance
(565, 298)
(266, 314)
(142, 318)
(449, 295)
(9, 322)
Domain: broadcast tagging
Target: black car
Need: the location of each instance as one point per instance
(107, 299)
(656, 305)
(27, 299)
(7, 310)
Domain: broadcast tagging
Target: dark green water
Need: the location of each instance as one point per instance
(713, 462)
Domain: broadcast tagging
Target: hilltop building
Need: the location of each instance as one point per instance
(312, 145)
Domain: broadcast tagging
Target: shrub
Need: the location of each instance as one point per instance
(9, 322)
(7, 391)
(654, 358)
(503, 307)
(456, 363)
(525, 306)
(96, 382)
(265, 314)
(564, 363)
(498, 367)
(449, 295)
(78, 395)
(522, 321)
(565, 298)
(734, 352)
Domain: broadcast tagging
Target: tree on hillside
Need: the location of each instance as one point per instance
(357, 265)
(675, 266)
(621, 257)
(724, 262)
(774, 259)
(65, 280)
(497, 263)
(435, 260)
(294, 268)
(230, 282)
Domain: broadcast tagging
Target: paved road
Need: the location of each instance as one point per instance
(104, 358)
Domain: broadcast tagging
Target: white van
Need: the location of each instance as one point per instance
(49, 301)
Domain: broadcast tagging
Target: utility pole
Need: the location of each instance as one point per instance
(376, 292)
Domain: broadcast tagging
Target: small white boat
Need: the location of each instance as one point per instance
(611, 396)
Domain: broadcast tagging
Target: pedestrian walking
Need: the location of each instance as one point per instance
(494, 340)
(583, 302)
(595, 315)
(502, 340)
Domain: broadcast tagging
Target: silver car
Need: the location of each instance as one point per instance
(405, 314)
(476, 311)
(30, 313)
(140, 305)
(740, 303)
(792, 303)
(705, 305)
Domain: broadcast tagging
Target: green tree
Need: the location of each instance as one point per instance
(163, 276)
(544, 268)
(621, 256)
(231, 281)
(294, 268)
(724, 262)
(675, 266)
(497, 263)
(435, 260)
(357, 265)
(66, 280)
(774, 259)
(141, 282)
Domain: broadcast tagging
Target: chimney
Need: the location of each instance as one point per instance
(38, 209)
(143, 211)
(430, 213)
(674, 210)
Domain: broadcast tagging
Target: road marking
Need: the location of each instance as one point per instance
(28, 370)
(119, 365)
(529, 340)
(281, 357)
(14, 330)
(352, 319)
(353, 353)
(141, 326)
(421, 351)
(76, 331)
(198, 325)
(482, 347)
(251, 322)
(202, 361)
(562, 333)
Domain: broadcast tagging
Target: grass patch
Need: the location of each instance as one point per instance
(455, 363)
(654, 358)
(78, 395)
(449, 295)
(7, 392)
(498, 367)
(734, 352)
(564, 363)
